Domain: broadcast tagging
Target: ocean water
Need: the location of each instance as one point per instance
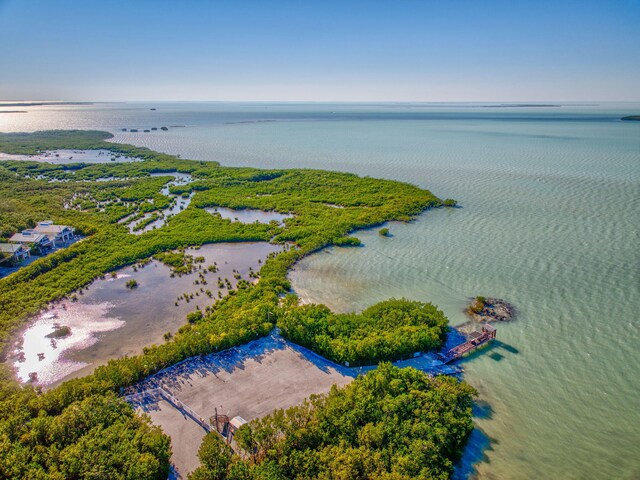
(549, 221)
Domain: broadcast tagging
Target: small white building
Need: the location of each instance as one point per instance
(14, 253)
(234, 425)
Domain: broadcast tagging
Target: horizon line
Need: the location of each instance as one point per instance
(401, 102)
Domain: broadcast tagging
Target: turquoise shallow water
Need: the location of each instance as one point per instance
(550, 219)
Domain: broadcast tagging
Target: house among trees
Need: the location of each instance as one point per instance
(30, 238)
(39, 240)
(13, 254)
(44, 236)
(56, 233)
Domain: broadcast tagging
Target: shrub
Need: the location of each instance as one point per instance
(194, 316)
(347, 242)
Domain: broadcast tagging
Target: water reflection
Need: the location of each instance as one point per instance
(41, 356)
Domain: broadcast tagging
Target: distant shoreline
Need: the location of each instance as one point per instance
(42, 104)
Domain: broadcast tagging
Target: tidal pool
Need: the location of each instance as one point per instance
(249, 215)
(61, 157)
(108, 320)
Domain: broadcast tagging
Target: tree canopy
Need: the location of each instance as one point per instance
(97, 437)
(390, 330)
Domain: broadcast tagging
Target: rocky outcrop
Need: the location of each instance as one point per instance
(486, 309)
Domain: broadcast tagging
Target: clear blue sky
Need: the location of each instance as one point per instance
(396, 50)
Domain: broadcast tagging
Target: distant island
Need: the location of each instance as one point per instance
(631, 118)
(522, 105)
(248, 121)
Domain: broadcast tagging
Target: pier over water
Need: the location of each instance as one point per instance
(476, 340)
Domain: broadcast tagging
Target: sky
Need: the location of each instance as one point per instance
(348, 50)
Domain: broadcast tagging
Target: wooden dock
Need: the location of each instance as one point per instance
(476, 340)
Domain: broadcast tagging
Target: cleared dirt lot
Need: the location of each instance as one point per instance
(250, 381)
(186, 435)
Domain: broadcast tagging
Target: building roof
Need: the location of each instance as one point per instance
(10, 248)
(237, 422)
(50, 227)
(28, 236)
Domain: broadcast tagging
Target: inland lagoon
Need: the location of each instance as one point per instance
(108, 320)
(249, 215)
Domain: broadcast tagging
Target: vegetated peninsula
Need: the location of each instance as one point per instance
(388, 424)
(389, 330)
